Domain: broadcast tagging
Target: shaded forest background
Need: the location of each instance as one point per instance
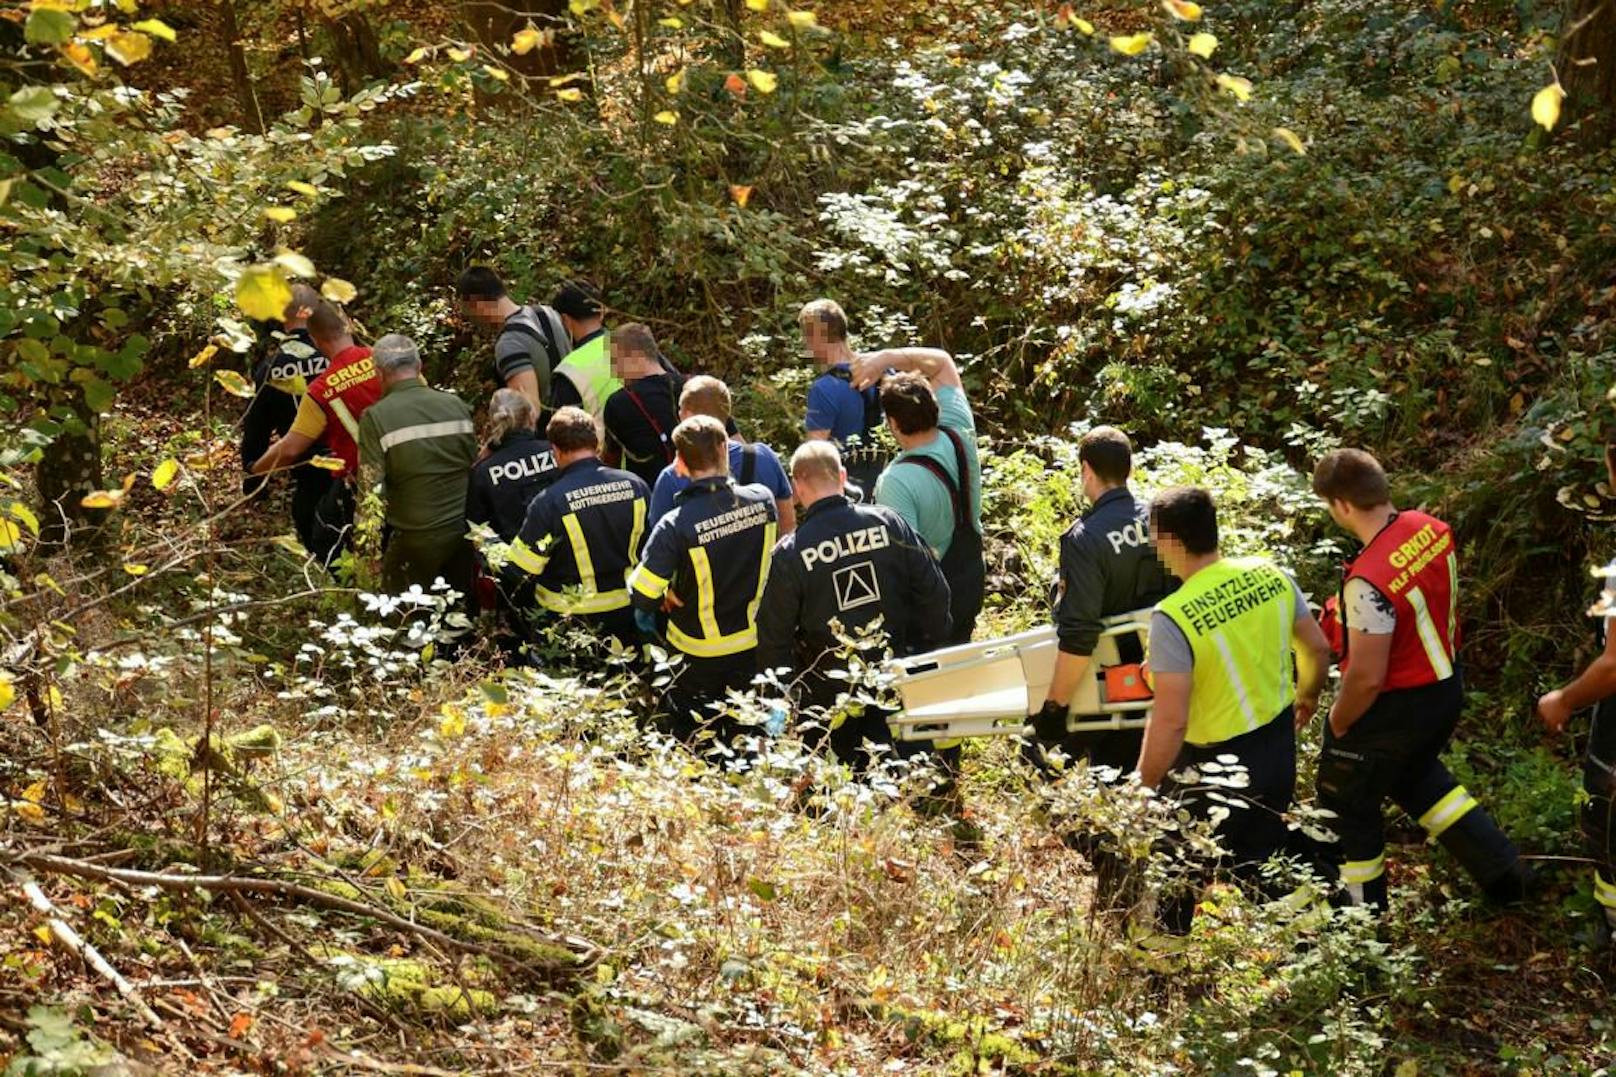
(1245, 233)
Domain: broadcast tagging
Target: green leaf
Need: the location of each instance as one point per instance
(98, 394)
(47, 26)
(34, 103)
(765, 891)
(495, 692)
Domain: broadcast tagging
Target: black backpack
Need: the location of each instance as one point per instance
(872, 403)
(963, 565)
(542, 334)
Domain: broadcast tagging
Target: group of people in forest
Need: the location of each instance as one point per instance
(611, 493)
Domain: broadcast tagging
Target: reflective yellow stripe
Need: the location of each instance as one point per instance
(580, 552)
(639, 530)
(345, 417)
(576, 602)
(647, 583)
(717, 647)
(1230, 670)
(526, 558)
(1447, 811)
(706, 593)
(763, 573)
(1358, 872)
(1604, 891)
(1453, 603)
(1434, 651)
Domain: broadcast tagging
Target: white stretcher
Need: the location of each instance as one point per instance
(988, 689)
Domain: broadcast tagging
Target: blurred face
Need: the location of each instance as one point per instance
(813, 336)
(481, 311)
(1169, 549)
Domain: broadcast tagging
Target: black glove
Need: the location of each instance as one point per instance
(1049, 724)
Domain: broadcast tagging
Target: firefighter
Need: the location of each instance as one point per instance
(1220, 660)
(708, 560)
(1395, 626)
(849, 565)
(583, 533)
(1596, 687)
(1107, 567)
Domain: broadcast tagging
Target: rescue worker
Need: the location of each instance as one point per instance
(1596, 687)
(516, 466)
(330, 411)
(936, 481)
(416, 447)
(1395, 627)
(709, 558)
(749, 461)
(584, 379)
(640, 417)
(584, 532)
(532, 341)
(848, 565)
(281, 378)
(1220, 658)
(1107, 567)
(836, 410)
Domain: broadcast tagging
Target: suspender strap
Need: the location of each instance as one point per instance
(656, 427)
(958, 493)
(748, 464)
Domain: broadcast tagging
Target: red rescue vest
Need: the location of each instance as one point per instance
(1414, 563)
(349, 386)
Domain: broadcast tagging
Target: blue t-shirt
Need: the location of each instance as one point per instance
(834, 405)
(767, 472)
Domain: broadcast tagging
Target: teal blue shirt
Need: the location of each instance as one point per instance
(914, 492)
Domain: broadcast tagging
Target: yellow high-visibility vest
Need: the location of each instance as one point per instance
(589, 368)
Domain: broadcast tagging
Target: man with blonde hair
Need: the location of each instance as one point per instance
(749, 462)
(708, 560)
(518, 464)
(851, 567)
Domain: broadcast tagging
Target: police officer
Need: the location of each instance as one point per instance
(1395, 625)
(281, 378)
(416, 447)
(1107, 567)
(852, 565)
(330, 412)
(583, 532)
(1596, 687)
(517, 465)
(1220, 659)
(709, 558)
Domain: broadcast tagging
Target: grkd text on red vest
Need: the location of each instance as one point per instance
(343, 392)
(1414, 564)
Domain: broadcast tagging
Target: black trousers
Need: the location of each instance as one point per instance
(325, 523)
(688, 703)
(1394, 752)
(1599, 810)
(1254, 828)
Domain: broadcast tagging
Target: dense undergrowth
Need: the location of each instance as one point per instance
(1100, 239)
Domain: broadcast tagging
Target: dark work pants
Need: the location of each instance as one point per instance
(418, 558)
(1252, 832)
(1395, 752)
(1599, 812)
(700, 683)
(325, 524)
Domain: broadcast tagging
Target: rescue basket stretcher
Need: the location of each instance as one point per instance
(988, 688)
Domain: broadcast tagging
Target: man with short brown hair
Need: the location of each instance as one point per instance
(837, 411)
(708, 560)
(640, 417)
(749, 462)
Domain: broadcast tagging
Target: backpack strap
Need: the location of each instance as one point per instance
(542, 337)
(656, 427)
(958, 493)
(748, 464)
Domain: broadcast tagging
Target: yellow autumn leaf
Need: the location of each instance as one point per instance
(294, 263)
(1291, 139)
(128, 48)
(166, 472)
(1546, 106)
(101, 499)
(283, 214)
(580, 7)
(327, 463)
(80, 57)
(156, 28)
(676, 81)
(571, 93)
(1187, 10)
(763, 81)
(10, 536)
(526, 41)
(262, 292)
(496, 73)
(34, 814)
(233, 383)
(8, 691)
(1202, 45)
(666, 116)
(453, 723)
(1236, 85)
(25, 516)
(459, 55)
(773, 40)
(202, 357)
(303, 188)
(758, 5)
(338, 290)
(136, 570)
(1132, 44)
(672, 22)
(416, 55)
(742, 195)
(802, 20)
(1083, 25)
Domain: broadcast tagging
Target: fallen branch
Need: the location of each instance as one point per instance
(585, 953)
(84, 951)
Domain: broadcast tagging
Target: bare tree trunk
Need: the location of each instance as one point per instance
(240, 77)
(1587, 63)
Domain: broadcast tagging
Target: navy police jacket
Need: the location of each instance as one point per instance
(1107, 567)
(504, 482)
